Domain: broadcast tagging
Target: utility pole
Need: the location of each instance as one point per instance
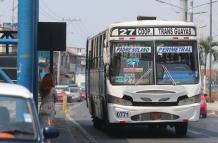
(191, 11)
(211, 36)
(184, 10)
(58, 67)
(13, 9)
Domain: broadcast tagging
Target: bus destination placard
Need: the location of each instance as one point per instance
(153, 31)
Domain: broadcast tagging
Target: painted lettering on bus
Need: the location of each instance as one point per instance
(174, 31)
(179, 49)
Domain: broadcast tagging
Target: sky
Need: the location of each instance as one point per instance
(88, 17)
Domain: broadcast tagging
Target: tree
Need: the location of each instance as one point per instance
(205, 45)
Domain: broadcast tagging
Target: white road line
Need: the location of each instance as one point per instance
(75, 106)
(197, 133)
(85, 133)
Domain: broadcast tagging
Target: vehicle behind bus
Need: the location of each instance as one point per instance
(144, 72)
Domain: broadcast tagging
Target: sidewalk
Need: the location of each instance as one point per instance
(212, 108)
(67, 131)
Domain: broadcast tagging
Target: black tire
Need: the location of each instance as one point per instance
(69, 99)
(96, 123)
(204, 115)
(181, 129)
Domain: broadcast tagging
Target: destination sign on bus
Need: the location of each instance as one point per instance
(175, 49)
(133, 50)
(154, 31)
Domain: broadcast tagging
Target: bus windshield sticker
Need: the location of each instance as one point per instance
(133, 50)
(119, 79)
(174, 49)
(132, 62)
(129, 78)
(132, 70)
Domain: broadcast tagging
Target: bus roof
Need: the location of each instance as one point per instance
(14, 90)
(152, 23)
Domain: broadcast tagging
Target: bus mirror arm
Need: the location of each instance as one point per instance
(106, 69)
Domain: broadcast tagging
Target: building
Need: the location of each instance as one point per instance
(72, 65)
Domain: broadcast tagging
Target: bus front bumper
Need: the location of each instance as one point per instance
(135, 114)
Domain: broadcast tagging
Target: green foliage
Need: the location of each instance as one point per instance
(205, 45)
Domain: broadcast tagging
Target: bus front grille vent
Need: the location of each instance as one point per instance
(154, 116)
(155, 91)
(155, 103)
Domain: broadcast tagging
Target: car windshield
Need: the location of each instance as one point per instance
(74, 89)
(60, 89)
(131, 63)
(176, 62)
(16, 121)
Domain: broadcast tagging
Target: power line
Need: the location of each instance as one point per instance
(46, 14)
(51, 11)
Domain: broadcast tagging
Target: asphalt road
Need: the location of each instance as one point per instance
(80, 124)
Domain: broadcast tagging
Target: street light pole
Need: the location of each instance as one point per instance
(211, 36)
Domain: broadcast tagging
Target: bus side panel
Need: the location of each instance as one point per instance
(96, 97)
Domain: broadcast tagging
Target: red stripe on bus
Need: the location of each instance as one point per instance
(121, 38)
(186, 38)
(131, 38)
(175, 38)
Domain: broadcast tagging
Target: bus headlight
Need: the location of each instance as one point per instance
(120, 101)
(190, 100)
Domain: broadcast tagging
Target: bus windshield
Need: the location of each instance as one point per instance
(176, 62)
(131, 63)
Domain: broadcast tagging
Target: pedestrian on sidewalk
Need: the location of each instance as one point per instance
(48, 98)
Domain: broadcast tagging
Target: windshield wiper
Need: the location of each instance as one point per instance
(169, 75)
(144, 75)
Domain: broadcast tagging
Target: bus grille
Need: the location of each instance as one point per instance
(150, 116)
(155, 103)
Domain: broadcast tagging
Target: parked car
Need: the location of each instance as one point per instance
(60, 89)
(19, 120)
(73, 93)
(203, 106)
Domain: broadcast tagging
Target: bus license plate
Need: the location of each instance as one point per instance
(155, 116)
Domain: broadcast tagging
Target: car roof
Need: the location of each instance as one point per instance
(61, 86)
(14, 90)
(73, 85)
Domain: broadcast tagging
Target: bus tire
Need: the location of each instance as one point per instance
(181, 129)
(96, 123)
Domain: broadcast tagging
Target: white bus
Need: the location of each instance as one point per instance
(144, 72)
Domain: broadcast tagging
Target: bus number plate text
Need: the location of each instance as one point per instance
(122, 114)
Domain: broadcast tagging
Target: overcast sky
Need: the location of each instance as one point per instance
(91, 16)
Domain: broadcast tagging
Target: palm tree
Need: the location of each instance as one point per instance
(205, 45)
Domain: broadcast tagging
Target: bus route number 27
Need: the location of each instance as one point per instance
(122, 114)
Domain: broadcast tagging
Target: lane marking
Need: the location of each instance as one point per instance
(194, 132)
(84, 132)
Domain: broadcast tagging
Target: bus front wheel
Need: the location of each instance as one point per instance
(181, 128)
(96, 123)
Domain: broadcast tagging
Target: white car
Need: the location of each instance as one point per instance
(19, 121)
(73, 93)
